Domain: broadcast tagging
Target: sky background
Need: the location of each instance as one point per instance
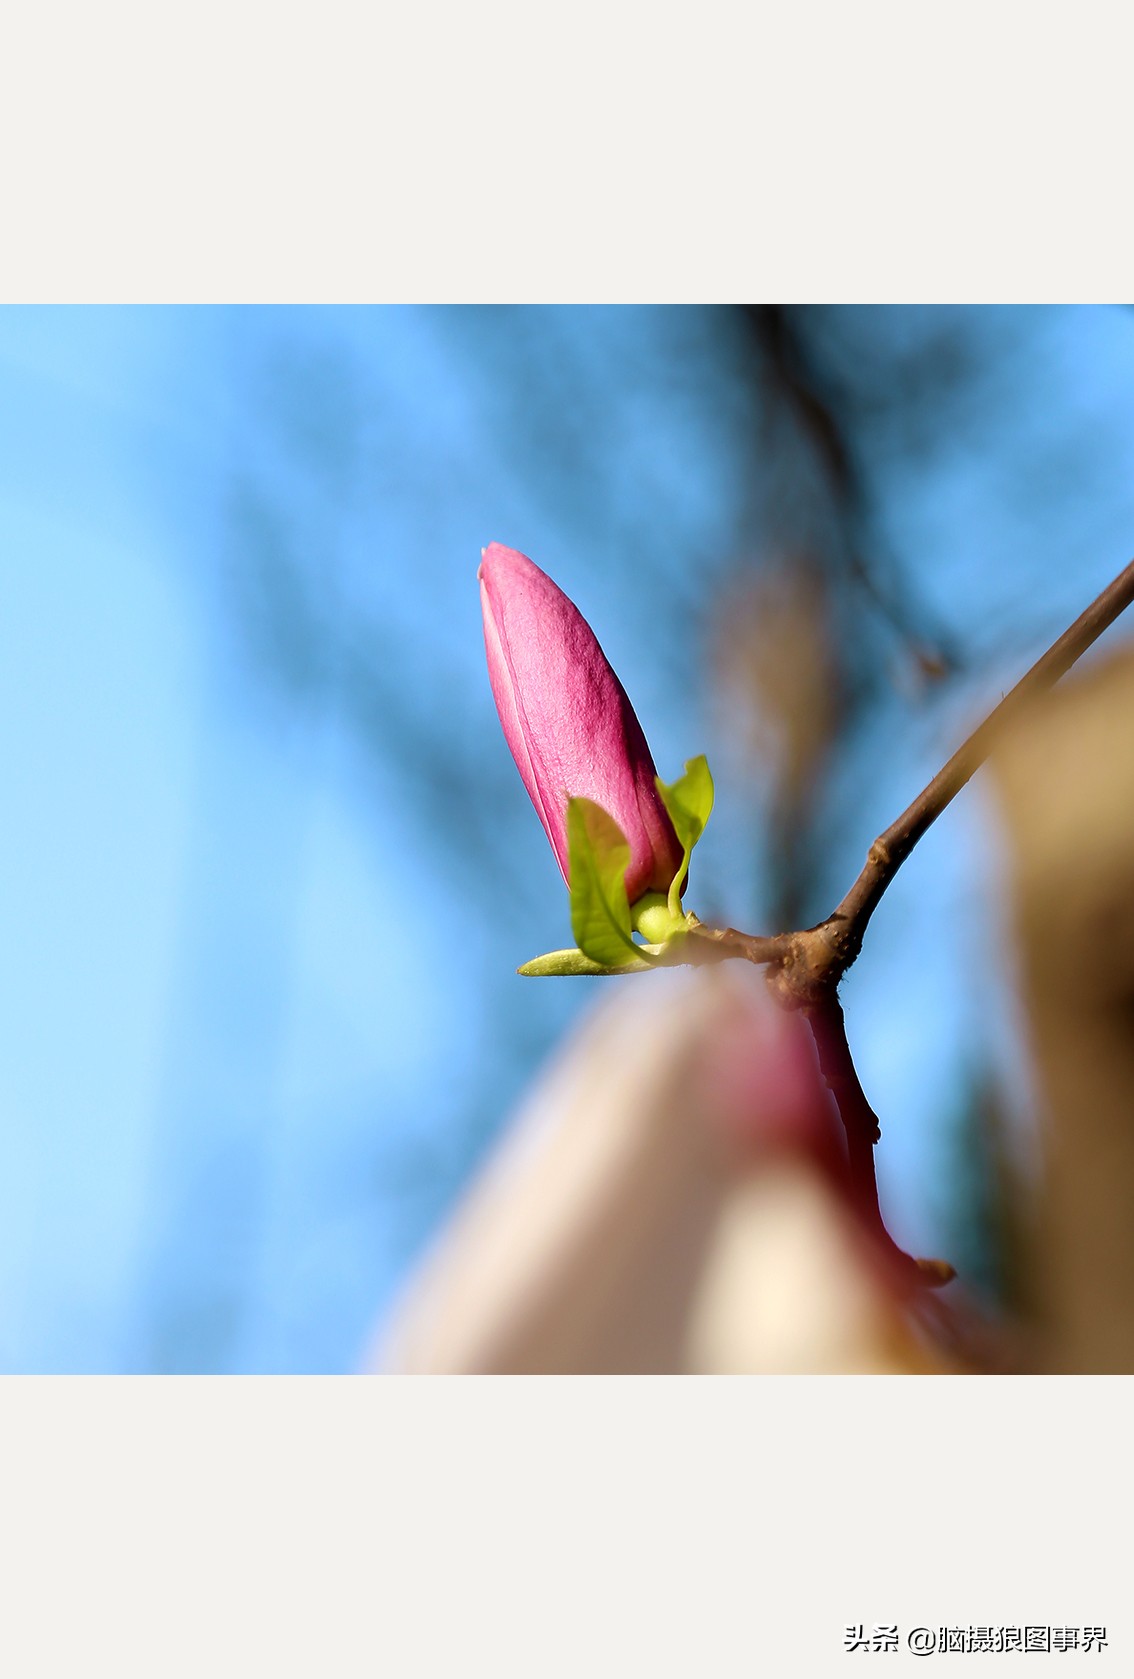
(267, 867)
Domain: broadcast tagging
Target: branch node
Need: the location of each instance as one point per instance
(879, 854)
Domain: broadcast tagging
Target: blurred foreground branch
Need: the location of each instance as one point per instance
(1065, 784)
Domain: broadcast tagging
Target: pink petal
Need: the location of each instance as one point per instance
(566, 717)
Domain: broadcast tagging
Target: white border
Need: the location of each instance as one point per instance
(550, 1526)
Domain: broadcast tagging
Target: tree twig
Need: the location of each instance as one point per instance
(828, 1028)
(891, 848)
(808, 963)
(718, 944)
(805, 968)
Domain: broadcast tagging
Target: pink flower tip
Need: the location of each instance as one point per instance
(566, 717)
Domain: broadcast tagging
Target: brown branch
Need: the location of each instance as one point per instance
(828, 1028)
(810, 962)
(804, 968)
(891, 848)
(807, 964)
(718, 944)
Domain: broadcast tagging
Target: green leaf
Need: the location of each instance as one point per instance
(689, 801)
(574, 962)
(690, 804)
(598, 854)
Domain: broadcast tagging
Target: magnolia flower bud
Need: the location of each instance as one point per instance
(567, 720)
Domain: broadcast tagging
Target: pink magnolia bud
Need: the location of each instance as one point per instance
(566, 717)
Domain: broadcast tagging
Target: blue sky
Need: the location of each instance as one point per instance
(267, 869)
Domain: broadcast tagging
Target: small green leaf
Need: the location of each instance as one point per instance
(574, 962)
(689, 801)
(598, 854)
(690, 804)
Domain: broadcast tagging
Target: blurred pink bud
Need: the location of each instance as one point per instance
(763, 1089)
(566, 717)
